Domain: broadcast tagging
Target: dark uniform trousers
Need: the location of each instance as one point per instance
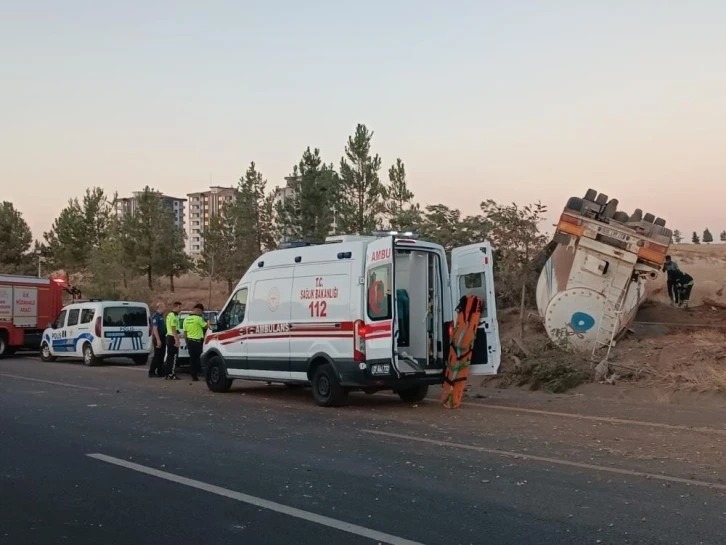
(171, 354)
(195, 347)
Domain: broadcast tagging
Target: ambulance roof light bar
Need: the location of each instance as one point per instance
(397, 234)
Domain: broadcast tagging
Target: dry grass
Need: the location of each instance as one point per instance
(188, 289)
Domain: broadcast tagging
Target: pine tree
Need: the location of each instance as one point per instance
(219, 256)
(707, 236)
(79, 231)
(15, 241)
(170, 258)
(144, 229)
(251, 215)
(107, 264)
(361, 192)
(308, 212)
(401, 211)
(695, 238)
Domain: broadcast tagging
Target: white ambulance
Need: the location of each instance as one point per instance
(364, 313)
(94, 330)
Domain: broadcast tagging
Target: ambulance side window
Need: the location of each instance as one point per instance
(234, 314)
(378, 284)
(474, 284)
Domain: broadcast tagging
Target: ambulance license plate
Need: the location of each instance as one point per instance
(381, 369)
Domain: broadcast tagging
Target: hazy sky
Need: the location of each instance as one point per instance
(506, 100)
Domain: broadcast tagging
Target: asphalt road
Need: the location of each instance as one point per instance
(106, 455)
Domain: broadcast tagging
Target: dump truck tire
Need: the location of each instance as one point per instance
(611, 208)
(621, 217)
(649, 218)
(575, 203)
(591, 195)
(660, 221)
(637, 215)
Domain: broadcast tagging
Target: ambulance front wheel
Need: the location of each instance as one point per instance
(45, 354)
(327, 391)
(415, 394)
(217, 379)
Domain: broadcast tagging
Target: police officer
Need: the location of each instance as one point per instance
(172, 341)
(158, 337)
(195, 326)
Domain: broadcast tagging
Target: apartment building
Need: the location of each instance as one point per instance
(202, 207)
(129, 205)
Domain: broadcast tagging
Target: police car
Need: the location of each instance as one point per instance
(183, 355)
(96, 329)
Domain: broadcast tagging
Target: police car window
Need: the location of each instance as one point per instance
(73, 316)
(234, 314)
(125, 317)
(61, 320)
(378, 285)
(474, 284)
(87, 315)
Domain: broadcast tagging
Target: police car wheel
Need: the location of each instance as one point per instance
(89, 358)
(45, 354)
(327, 391)
(140, 360)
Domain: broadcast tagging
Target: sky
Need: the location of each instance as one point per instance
(514, 101)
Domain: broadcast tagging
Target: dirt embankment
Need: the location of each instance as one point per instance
(667, 347)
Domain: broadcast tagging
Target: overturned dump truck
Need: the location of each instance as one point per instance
(591, 286)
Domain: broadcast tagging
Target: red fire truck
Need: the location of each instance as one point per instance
(27, 305)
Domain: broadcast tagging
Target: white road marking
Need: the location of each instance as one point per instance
(577, 416)
(545, 459)
(49, 382)
(608, 419)
(380, 537)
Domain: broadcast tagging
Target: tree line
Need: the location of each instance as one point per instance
(706, 237)
(108, 250)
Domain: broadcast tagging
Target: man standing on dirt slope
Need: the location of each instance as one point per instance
(670, 267)
(684, 285)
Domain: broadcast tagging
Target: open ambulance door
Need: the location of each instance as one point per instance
(472, 273)
(380, 331)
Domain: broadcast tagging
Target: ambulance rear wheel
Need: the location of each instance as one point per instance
(45, 354)
(327, 391)
(415, 394)
(89, 358)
